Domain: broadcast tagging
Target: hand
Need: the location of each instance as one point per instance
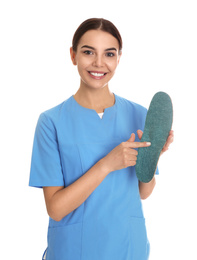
(123, 155)
(170, 139)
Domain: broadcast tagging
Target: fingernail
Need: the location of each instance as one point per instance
(148, 143)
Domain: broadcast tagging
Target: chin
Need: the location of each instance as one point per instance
(94, 85)
(98, 86)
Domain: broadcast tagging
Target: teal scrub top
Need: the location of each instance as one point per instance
(69, 140)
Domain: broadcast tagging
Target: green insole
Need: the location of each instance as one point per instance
(157, 127)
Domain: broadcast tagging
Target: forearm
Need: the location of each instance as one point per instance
(146, 189)
(68, 199)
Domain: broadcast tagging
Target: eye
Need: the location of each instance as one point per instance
(110, 54)
(88, 52)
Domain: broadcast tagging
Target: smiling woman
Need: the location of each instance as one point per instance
(97, 56)
(99, 74)
(84, 158)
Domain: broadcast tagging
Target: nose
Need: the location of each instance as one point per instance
(98, 61)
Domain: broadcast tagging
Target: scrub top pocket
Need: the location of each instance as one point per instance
(64, 242)
(138, 237)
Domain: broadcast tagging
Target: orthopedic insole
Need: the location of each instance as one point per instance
(157, 127)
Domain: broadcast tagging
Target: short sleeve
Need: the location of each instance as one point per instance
(46, 167)
(157, 171)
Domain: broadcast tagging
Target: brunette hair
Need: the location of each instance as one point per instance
(96, 24)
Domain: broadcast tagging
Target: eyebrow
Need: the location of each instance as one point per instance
(92, 48)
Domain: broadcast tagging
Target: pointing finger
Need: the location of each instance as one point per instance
(138, 144)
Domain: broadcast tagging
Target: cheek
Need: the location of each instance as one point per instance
(82, 61)
(112, 65)
(82, 64)
(81, 68)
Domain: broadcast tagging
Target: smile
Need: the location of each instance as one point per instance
(97, 75)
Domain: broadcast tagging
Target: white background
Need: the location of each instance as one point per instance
(159, 53)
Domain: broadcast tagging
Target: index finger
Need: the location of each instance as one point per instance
(139, 144)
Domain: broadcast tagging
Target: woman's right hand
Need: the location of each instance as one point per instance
(123, 155)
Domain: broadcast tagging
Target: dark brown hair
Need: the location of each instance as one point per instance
(96, 24)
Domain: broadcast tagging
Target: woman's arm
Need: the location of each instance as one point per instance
(61, 201)
(146, 188)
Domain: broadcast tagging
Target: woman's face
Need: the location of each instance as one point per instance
(96, 58)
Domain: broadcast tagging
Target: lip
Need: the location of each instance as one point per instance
(94, 71)
(97, 77)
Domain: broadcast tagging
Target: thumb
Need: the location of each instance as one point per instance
(132, 138)
(139, 133)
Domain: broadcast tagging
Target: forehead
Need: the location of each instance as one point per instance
(98, 39)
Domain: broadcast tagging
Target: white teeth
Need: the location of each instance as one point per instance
(97, 74)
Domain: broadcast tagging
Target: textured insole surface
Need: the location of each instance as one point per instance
(157, 127)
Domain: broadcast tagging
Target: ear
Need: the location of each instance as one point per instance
(73, 56)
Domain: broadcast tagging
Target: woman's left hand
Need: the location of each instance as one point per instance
(146, 189)
(170, 139)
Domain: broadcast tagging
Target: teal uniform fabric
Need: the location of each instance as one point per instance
(157, 127)
(69, 140)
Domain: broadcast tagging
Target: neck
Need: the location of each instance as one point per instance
(97, 99)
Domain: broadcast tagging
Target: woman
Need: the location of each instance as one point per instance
(84, 158)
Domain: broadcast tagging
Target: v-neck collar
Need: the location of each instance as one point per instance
(93, 111)
(101, 115)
